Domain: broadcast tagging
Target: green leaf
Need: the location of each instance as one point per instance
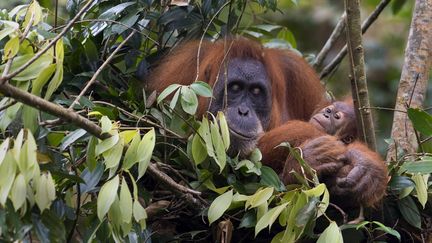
(189, 100)
(7, 176)
(421, 120)
(387, 230)
(107, 144)
(128, 135)
(269, 218)
(219, 206)
(410, 211)
(270, 178)
(219, 146)
(91, 154)
(106, 197)
(125, 202)
(131, 154)
(204, 132)
(288, 36)
(316, 191)
(325, 201)
(145, 151)
(8, 27)
(18, 192)
(167, 92)
(42, 79)
(33, 70)
(421, 188)
(71, 138)
(11, 48)
(308, 212)
(3, 150)
(423, 166)
(112, 156)
(174, 99)
(139, 214)
(106, 124)
(30, 116)
(398, 183)
(45, 191)
(260, 197)
(224, 129)
(331, 234)
(202, 89)
(34, 10)
(199, 151)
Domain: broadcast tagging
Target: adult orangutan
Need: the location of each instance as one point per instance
(266, 95)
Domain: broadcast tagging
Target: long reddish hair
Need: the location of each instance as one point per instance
(296, 89)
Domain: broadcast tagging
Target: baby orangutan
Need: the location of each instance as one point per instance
(338, 119)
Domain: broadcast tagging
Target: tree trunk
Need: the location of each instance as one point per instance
(414, 78)
(359, 88)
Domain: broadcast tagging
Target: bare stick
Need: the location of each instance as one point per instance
(96, 74)
(365, 26)
(51, 108)
(47, 47)
(337, 31)
(359, 88)
(414, 78)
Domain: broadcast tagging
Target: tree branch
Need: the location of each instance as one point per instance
(337, 31)
(359, 88)
(7, 77)
(365, 26)
(414, 78)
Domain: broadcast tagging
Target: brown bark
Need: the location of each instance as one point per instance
(414, 78)
(359, 89)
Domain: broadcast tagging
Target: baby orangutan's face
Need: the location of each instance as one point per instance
(329, 119)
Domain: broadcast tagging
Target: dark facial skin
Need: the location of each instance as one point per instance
(337, 119)
(248, 102)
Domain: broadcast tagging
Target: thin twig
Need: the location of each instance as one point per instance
(344, 215)
(78, 206)
(381, 108)
(365, 26)
(337, 31)
(96, 74)
(202, 37)
(5, 78)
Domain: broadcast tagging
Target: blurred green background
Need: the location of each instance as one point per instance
(311, 22)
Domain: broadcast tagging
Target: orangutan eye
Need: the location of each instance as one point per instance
(337, 115)
(256, 91)
(328, 110)
(235, 87)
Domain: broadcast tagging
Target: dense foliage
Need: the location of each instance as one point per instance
(161, 172)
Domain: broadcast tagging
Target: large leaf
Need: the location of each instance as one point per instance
(219, 206)
(71, 138)
(107, 196)
(422, 121)
(423, 166)
(410, 211)
(331, 234)
(269, 218)
(259, 197)
(145, 151)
